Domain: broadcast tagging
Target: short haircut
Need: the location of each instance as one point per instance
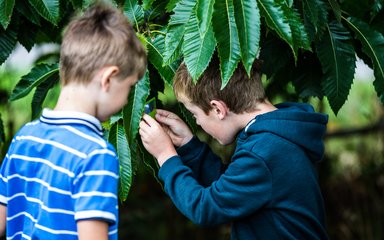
(101, 36)
(241, 94)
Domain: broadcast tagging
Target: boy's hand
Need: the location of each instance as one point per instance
(176, 128)
(156, 140)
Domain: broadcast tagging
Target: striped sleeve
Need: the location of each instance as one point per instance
(3, 182)
(95, 187)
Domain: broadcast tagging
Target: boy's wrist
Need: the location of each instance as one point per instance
(162, 158)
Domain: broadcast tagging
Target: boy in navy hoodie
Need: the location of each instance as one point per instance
(270, 188)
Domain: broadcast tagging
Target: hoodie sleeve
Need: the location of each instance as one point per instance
(244, 188)
(205, 165)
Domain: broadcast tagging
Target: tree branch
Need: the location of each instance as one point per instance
(369, 129)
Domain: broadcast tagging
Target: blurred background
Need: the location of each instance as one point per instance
(351, 174)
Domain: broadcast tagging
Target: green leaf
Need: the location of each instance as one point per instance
(133, 111)
(198, 47)
(227, 37)
(41, 92)
(307, 76)
(182, 12)
(299, 34)
(248, 24)
(36, 76)
(335, 8)
(373, 46)
(275, 54)
(376, 8)
(173, 42)
(274, 14)
(204, 11)
(6, 9)
(171, 5)
(27, 37)
(156, 48)
(8, 40)
(118, 139)
(48, 9)
(134, 12)
(337, 57)
(315, 17)
(176, 29)
(25, 8)
(147, 4)
(132, 114)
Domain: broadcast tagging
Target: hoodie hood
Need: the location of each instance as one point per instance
(295, 122)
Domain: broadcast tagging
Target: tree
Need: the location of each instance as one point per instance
(311, 44)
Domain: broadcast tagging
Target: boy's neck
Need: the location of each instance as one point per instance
(262, 108)
(78, 98)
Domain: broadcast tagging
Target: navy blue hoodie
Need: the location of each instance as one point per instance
(269, 190)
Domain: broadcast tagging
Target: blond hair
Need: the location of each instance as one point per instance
(241, 94)
(101, 36)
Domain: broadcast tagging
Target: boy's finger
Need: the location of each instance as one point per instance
(148, 120)
(169, 121)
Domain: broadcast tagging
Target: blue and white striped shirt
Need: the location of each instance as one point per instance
(59, 170)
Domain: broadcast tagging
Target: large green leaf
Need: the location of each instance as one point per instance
(118, 139)
(132, 114)
(6, 9)
(337, 57)
(25, 8)
(156, 48)
(8, 40)
(27, 37)
(335, 8)
(299, 34)
(315, 17)
(171, 5)
(147, 4)
(173, 43)
(373, 46)
(48, 9)
(133, 111)
(198, 47)
(227, 37)
(134, 12)
(176, 30)
(36, 76)
(307, 76)
(204, 11)
(248, 24)
(41, 92)
(275, 54)
(182, 12)
(274, 14)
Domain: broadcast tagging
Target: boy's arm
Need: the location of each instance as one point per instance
(92, 230)
(158, 141)
(242, 189)
(3, 219)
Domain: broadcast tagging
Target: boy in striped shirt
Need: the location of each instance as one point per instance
(59, 177)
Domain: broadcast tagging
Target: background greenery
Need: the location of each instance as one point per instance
(309, 49)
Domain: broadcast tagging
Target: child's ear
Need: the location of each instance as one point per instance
(106, 75)
(219, 108)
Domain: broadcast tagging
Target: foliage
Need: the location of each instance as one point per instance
(311, 44)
